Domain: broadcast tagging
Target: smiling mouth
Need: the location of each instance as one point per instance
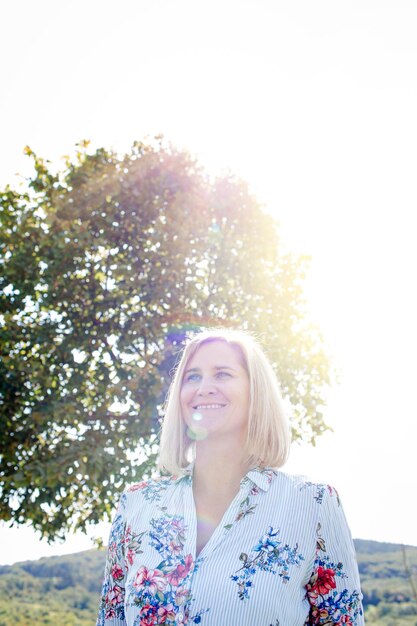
(202, 407)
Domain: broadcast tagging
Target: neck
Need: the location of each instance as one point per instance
(218, 467)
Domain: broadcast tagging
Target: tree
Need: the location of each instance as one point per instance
(106, 265)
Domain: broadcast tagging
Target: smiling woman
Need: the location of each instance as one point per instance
(216, 396)
(225, 355)
(227, 538)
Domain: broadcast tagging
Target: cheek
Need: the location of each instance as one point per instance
(185, 397)
(245, 398)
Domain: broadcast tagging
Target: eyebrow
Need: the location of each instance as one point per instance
(216, 367)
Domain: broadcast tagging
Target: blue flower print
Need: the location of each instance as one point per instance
(268, 555)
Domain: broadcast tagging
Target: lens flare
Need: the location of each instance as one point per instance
(197, 433)
(196, 416)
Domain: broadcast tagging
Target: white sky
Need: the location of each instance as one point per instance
(313, 103)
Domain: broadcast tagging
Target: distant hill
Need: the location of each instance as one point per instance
(64, 590)
(53, 591)
(388, 594)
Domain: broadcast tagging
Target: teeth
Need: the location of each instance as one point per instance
(208, 406)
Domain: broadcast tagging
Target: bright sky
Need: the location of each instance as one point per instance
(313, 103)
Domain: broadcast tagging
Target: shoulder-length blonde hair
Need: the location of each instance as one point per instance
(268, 437)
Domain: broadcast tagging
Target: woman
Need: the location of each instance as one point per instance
(227, 539)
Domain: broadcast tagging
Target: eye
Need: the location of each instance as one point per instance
(192, 377)
(223, 375)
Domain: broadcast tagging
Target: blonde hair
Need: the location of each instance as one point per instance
(268, 437)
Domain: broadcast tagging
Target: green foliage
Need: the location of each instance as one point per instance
(65, 590)
(104, 268)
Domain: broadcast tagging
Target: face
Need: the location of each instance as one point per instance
(215, 392)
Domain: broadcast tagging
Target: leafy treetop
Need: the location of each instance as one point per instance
(106, 266)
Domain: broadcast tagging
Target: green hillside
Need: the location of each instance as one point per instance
(54, 591)
(388, 595)
(64, 590)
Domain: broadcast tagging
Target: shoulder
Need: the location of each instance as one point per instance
(150, 489)
(150, 483)
(306, 489)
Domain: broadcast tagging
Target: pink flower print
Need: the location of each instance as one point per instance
(319, 616)
(313, 595)
(152, 579)
(110, 613)
(182, 596)
(180, 572)
(166, 613)
(269, 476)
(175, 548)
(117, 595)
(130, 556)
(112, 550)
(148, 616)
(254, 491)
(116, 572)
(178, 525)
(138, 486)
(113, 598)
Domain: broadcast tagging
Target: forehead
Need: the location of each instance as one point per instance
(216, 353)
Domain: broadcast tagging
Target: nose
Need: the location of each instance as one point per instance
(206, 387)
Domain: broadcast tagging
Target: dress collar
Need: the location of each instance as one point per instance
(262, 477)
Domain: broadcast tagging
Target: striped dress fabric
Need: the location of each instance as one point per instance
(282, 556)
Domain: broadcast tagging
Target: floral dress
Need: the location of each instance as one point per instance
(281, 556)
